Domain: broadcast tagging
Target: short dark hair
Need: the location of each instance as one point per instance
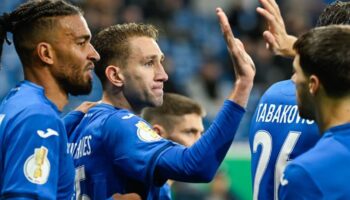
(336, 13)
(325, 52)
(113, 46)
(29, 20)
(174, 105)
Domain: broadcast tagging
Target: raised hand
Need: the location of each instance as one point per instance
(243, 64)
(276, 36)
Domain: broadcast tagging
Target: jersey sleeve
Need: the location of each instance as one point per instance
(200, 162)
(31, 168)
(134, 146)
(296, 183)
(71, 120)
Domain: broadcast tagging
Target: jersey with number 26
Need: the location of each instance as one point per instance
(277, 135)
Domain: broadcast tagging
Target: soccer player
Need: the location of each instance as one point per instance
(322, 79)
(178, 119)
(114, 150)
(52, 40)
(277, 132)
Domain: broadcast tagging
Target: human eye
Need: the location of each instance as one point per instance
(149, 63)
(190, 131)
(81, 43)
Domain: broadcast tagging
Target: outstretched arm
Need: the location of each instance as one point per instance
(243, 65)
(276, 36)
(200, 162)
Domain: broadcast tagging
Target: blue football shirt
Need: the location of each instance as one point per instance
(116, 151)
(323, 171)
(34, 160)
(277, 135)
(165, 192)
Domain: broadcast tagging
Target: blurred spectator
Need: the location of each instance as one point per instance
(220, 188)
(208, 87)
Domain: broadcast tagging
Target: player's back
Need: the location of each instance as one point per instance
(113, 152)
(322, 171)
(33, 146)
(277, 135)
(93, 170)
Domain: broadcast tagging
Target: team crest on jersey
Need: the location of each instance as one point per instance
(37, 166)
(146, 133)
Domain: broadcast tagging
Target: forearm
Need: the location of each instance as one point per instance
(200, 162)
(71, 120)
(241, 91)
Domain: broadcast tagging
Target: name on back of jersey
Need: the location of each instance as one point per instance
(272, 113)
(81, 148)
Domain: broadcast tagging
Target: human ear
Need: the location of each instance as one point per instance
(314, 84)
(114, 75)
(45, 52)
(160, 130)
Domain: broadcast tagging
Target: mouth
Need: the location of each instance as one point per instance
(158, 89)
(89, 70)
(90, 67)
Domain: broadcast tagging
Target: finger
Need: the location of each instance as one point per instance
(271, 19)
(225, 28)
(268, 6)
(276, 7)
(270, 39)
(275, 10)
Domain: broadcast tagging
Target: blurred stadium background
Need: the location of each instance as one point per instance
(197, 63)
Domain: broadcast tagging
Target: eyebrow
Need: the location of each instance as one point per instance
(162, 57)
(84, 37)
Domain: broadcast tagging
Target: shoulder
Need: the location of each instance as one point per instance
(279, 90)
(296, 183)
(123, 122)
(40, 111)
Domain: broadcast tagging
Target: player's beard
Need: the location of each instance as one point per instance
(74, 83)
(78, 87)
(305, 105)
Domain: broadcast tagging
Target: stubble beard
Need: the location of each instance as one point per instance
(75, 84)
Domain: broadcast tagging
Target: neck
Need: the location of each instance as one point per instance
(53, 91)
(116, 99)
(333, 112)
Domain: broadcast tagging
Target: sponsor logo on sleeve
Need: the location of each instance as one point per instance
(128, 116)
(146, 133)
(37, 166)
(49, 133)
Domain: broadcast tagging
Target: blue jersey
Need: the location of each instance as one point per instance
(34, 159)
(322, 172)
(165, 192)
(116, 151)
(277, 135)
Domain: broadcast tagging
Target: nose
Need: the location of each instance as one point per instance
(197, 135)
(93, 54)
(161, 75)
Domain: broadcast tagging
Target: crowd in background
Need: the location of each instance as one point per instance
(196, 57)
